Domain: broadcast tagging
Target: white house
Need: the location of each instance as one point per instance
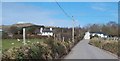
(46, 32)
(87, 35)
(100, 34)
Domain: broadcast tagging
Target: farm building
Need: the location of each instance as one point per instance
(36, 29)
(29, 28)
(16, 30)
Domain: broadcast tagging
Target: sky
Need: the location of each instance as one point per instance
(60, 0)
(49, 14)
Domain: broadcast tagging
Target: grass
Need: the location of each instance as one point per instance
(0, 46)
(108, 45)
(7, 43)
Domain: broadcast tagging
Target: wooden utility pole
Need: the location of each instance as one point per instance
(73, 30)
(24, 36)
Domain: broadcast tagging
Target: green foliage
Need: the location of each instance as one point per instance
(15, 30)
(4, 35)
(7, 43)
(95, 42)
(110, 28)
(57, 47)
(111, 46)
(50, 49)
(31, 30)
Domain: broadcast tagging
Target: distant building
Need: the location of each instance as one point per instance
(31, 30)
(29, 25)
(99, 34)
(87, 35)
(46, 32)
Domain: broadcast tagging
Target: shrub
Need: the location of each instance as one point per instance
(94, 41)
(112, 47)
(16, 53)
(50, 49)
(4, 35)
(40, 51)
(36, 51)
(62, 50)
(17, 36)
(58, 48)
(107, 45)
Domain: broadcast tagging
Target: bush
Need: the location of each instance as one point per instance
(94, 41)
(40, 51)
(58, 48)
(112, 47)
(36, 51)
(4, 35)
(16, 53)
(50, 49)
(107, 45)
(17, 36)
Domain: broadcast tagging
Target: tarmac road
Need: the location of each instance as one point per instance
(85, 51)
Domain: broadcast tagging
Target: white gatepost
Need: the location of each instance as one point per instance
(24, 42)
(63, 39)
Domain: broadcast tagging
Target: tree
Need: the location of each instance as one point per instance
(4, 35)
(15, 30)
(110, 28)
(30, 30)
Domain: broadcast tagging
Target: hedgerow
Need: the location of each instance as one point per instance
(49, 49)
(108, 45)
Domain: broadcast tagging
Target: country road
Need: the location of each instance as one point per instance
(85, 51)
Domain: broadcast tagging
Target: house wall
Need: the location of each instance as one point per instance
(100, 35)
(87, 35)
(47, 34)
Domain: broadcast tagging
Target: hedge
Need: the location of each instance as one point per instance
(108, 45)
(50, 49)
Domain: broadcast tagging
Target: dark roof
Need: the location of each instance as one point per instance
(99, 33)
(26, 25)
(47, 30)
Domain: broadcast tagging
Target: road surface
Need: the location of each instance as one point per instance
(85, 51)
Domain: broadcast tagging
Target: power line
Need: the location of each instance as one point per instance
(68, 17)
(63, 10)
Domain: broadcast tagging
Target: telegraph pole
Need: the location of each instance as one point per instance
(73, 30)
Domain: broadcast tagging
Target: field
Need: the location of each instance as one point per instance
(8, 43)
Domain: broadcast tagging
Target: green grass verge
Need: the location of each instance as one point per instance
(108, 45)
(7, 43)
